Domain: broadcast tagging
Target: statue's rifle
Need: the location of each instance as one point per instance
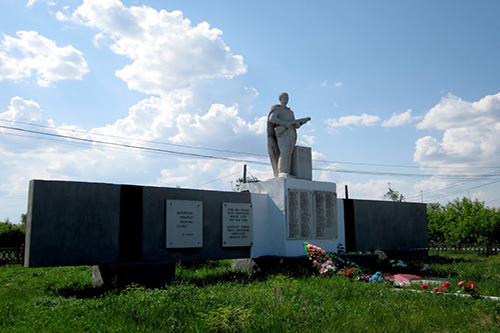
(280, 129)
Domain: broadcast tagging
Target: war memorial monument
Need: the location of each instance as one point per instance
(136, 234)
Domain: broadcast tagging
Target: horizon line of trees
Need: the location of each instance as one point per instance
(463, 221)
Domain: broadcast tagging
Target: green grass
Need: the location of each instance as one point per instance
(213, 297)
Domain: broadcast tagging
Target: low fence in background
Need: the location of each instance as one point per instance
(486, 248)
(11, 255)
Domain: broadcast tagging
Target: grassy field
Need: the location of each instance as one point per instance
(213, 297)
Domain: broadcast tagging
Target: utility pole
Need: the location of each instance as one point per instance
(244, 174)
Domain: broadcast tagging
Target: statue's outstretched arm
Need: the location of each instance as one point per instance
(273, 118)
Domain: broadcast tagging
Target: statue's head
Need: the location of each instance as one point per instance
(283, 98)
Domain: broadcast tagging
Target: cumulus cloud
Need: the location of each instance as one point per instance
(22, 110)
(32, 53)
(308, 139)
(348, 121)
(453, 112)
(399, 119)
(220, 123)
(167, 52)
(183, 67)
(470, 133)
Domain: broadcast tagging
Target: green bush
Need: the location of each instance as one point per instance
(11, 234)
(463, 221)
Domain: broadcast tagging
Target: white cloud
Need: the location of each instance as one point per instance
(326, 84)
(187, 67)
(22, 110)
(471, 136)
(30, 52)
(453, 112)
(30, 3)
(308, 139)
(348, 121)
(167, 52)
(399, 119)
(219, 124)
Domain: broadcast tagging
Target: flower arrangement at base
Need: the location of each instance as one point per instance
(329, 263)
(469, 288)
(442, 288)
(350, 273)
(377, 277)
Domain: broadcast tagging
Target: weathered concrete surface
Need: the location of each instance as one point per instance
(75, 223)
(388, 225)
(71, 223)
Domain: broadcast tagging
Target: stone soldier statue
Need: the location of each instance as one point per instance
(282, 136)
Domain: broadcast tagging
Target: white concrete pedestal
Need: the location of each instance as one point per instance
(276, 211)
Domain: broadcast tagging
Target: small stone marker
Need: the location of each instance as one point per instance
(184, 224)
(237, 224)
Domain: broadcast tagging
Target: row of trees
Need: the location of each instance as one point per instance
(459, 221)
(463, 221)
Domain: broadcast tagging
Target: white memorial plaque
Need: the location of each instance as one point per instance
(184, 224)
(300, 214)
(237, 224)
(326, 214)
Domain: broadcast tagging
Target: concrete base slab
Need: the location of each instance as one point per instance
(149, 275)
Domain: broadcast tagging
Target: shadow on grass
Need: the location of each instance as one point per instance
(80, 292)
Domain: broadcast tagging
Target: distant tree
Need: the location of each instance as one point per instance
(463, 221)
(436, 224)
(393, 195)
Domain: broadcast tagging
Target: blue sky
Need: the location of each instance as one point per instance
(399, 92)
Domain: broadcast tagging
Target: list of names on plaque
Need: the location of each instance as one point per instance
(300, 214)
(184, 224)
(326, 214)
(237, 224)
(293, 215)
(306, 214)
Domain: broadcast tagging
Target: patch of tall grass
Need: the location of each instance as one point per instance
(213, 297)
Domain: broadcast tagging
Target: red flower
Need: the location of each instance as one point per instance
(461, 283)
(446, 284)
(436, 290)
(474, 285)
(425, 286)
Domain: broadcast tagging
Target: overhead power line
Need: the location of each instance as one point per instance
(246, 153)
(135, 139)
(166, 151)
(206, 156)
